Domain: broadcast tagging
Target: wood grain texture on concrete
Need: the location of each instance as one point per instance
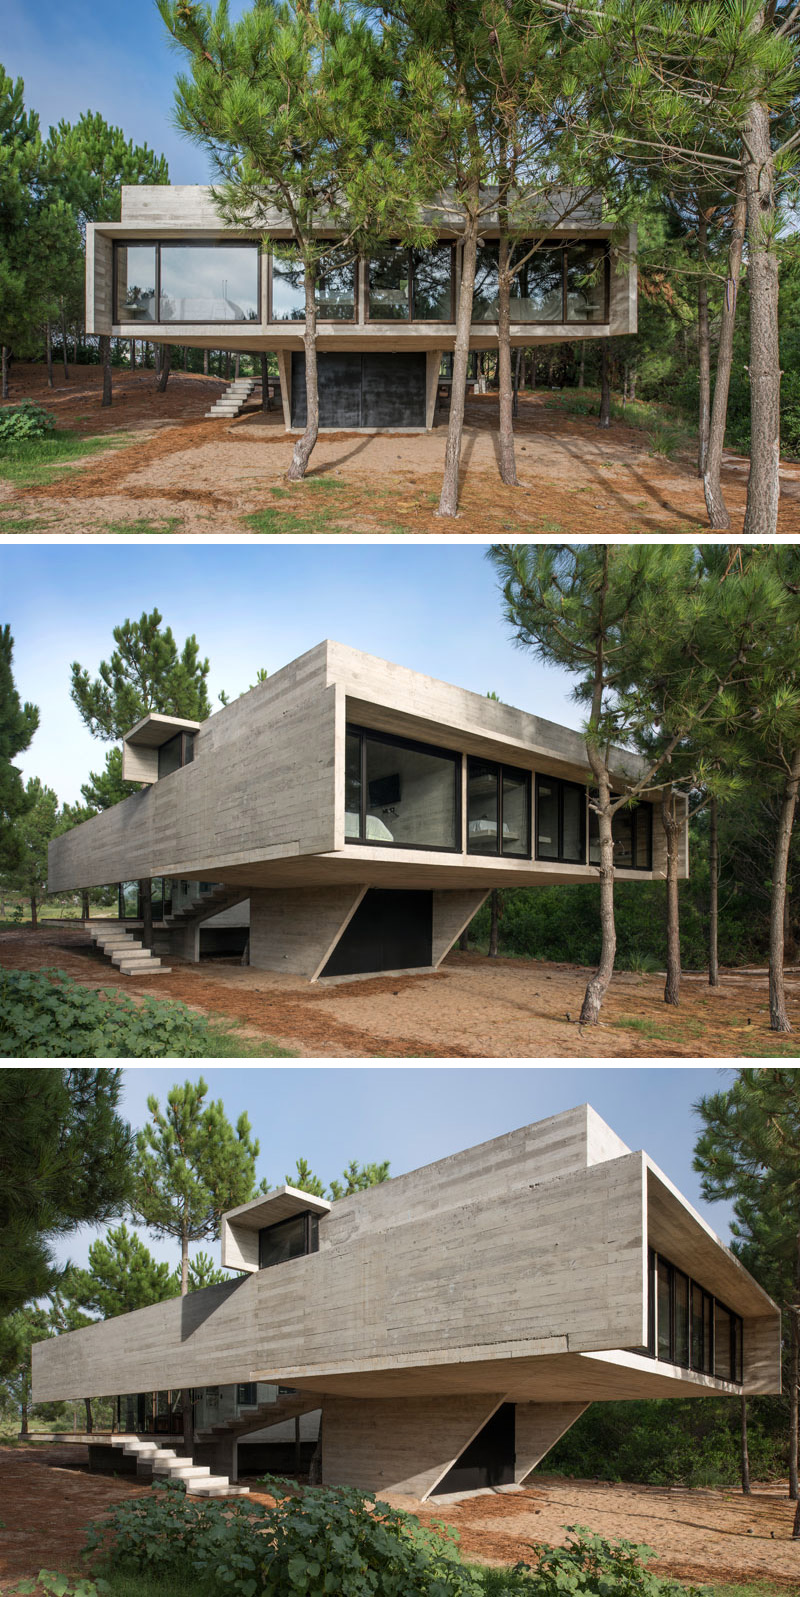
(386, 1445)
(538, 1426)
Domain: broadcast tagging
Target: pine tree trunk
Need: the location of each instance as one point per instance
(712, 487)
(304, 445)
(598, 986)
(4, 363)
(669, 821)
(89, 1417)
(205, 362)
(187, 1414)
(23, 1417)
(186, 357)
(85, 911)
(448, 500)
(495, 923)
(508, 465)
(227, 365)
(105, 357)
(533, 371)
(761, 514)
(632, 383)
(34, 913)
(713, 907)
(166, 367)
(582, 364)
(266, 403)
(745, 1453)
(778, 1017)
(794, 1369)
(64, 354)
(48, 344)
(236, 366)
(315, 1466)
(146, 902)
(703, 344)
(132, 347)
(605, 389)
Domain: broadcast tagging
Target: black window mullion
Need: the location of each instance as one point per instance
(158, 282)
(564, 264)
(363, 816)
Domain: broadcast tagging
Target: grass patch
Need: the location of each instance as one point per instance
(25, 524)
(283, 521)
(647, 1028)
(667, 434)
(226, 1042)
(172, 524)
(37, 460)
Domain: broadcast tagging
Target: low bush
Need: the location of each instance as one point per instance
(314, 1542)
(588, 1566)
(46, 1015)
(673, 1442)
(20, 423)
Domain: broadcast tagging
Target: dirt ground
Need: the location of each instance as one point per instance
(473, 1008)
(48, 1499)
(179, 472)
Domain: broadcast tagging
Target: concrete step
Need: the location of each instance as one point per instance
(167, 1461)
(152, 968)
(191, 1472)
(136, 958)
(116, 945)
(217, 1486)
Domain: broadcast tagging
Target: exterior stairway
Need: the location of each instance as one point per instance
(233, 399)
(287, 1406)
(130, 956)
(206, 904)
(164, 1463)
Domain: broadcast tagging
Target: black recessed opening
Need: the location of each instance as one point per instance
(488, 1460)
(362, 390)
(392, 929)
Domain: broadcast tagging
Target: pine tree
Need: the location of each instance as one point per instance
(18, 722)
(122, 1276)
(28, 840)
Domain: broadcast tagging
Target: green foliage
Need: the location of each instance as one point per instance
(46, 1015)
(356, 1178)
(122, 1276)
(34, 461)
(66, 1153)
(26, 420)
(146, 672)
(591, 1566)
(27, 841)
(315, 1542)
(191, 1165)
(18, 722)
(672, 1442)
(54, 1584)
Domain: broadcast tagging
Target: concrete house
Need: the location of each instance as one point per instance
(448, 1325)
(170, 271)
(355, 813)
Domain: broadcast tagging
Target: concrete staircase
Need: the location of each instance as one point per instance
(124, 951)
(204, 905)
(233, 399)
(285, 1407)
(163, 1463)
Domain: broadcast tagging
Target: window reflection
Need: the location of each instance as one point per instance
(586, 283)
(536, 287)
(335, 290)
(410, 794)
(389, 285)
(136, 282)
(560, 820)
(209, 283)
(433, 284)
(632, 832)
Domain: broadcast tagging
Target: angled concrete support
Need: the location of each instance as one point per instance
(295, 929)
(399, 1444)
(538, 1427)
(452, 911)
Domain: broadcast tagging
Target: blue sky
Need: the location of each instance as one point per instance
(435, 608)
(114, 58)
(414, 1116)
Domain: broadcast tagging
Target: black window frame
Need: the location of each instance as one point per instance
(638, 812)
(328, 321)
(500, 771)
(708, 1300)
(185, 243)
(415, 747)
(423, 321)
(565, 320)
(560, 783)
(166, 898)
(186, 740)
(310, 1236)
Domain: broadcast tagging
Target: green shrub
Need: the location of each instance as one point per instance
(315, 1542)
(590, 1566)
(20, 422)
(673, 1442)
(46, 1015)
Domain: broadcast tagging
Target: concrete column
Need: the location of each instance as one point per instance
(402, 1444)
(294, 929)
(538, 1427)
(453, 909)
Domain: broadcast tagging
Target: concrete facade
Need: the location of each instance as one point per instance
(517, 1273)
(262, 811)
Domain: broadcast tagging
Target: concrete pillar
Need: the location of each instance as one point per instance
(453, 909)
(294, 929)
(538, 1427)
(404, 1444)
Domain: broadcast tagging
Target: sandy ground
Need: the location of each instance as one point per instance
(48, 1499)
(183, 473)
(473, 1008)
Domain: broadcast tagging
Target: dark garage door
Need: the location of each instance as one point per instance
(392, 929)
(489, 1458)
(363, 390)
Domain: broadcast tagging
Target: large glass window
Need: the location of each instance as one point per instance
(498, 809)
(390, 285)
(400, 792)
(335, 292)
(536, 288)
(129, 900)
(289, 1239)
(560, 820)
(432, 285)
(209, 283)
(586, 283)
(632, 832)
(136, 282)
(689, 1327)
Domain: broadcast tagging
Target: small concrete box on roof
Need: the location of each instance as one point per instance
(362, 810)
(450, 1324)
(170, 271)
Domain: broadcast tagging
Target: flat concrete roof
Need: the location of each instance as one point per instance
(270, 1207)
(153, 730)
